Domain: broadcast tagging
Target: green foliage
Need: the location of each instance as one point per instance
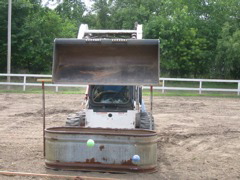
(72, 10)
(228, 52)
(182, 49)
(188, 30)
(37, 40)
(102, 10)
(189, 34)
(20, 10)
(34, 29)
(198, 38)
(3, 35)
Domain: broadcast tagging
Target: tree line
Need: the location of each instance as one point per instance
(198, 38)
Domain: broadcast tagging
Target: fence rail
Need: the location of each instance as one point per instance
(200, 89)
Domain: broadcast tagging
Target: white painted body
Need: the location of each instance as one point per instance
(118, 120)
(83, 30)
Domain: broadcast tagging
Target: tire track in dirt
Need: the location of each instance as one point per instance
(198, 136)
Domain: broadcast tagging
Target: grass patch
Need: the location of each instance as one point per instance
(38, 90)
(146, 92)
(190, 93)
(219, 85)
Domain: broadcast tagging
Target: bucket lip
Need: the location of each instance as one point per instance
(75, 41)
(101, 131)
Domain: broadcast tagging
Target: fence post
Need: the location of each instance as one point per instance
(56, 89)
(238, 93)
(163, 85)
(200, 87)
(24, 82)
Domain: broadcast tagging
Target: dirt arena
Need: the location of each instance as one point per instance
(199, 137)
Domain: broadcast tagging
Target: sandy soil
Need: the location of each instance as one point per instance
(199, 137)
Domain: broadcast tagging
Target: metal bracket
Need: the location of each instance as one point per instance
(83, 31)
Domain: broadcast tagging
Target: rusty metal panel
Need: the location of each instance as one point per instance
(106, 62)
(66, 149)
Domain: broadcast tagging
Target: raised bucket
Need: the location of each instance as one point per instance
(106, 61)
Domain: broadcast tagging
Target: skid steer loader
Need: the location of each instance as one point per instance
(115, 64)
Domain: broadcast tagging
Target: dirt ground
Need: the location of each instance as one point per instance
(199, 137)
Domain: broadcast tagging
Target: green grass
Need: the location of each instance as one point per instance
(73, 90)
(38, 90)
(204, 84)
(190, 93)
(196, 93)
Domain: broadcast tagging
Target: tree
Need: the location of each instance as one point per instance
(3, 35)
(34, 29)
(198, 38)
(126, 12)
(182, 49)
(228, 53)
(71, 10)
(20, 10)
(103, 13)
(37, 38)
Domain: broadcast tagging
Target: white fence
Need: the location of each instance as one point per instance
(25, 83)
(200, 89)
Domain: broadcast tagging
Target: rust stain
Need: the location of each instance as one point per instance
(101, 147)
(105, 159)
(128, 162)
(92, 161)
(78, 178)
(100, 74)
(82, 124)
(102, 131)
(102, 167)
(54, 139)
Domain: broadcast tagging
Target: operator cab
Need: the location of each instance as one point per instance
(110, 98)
